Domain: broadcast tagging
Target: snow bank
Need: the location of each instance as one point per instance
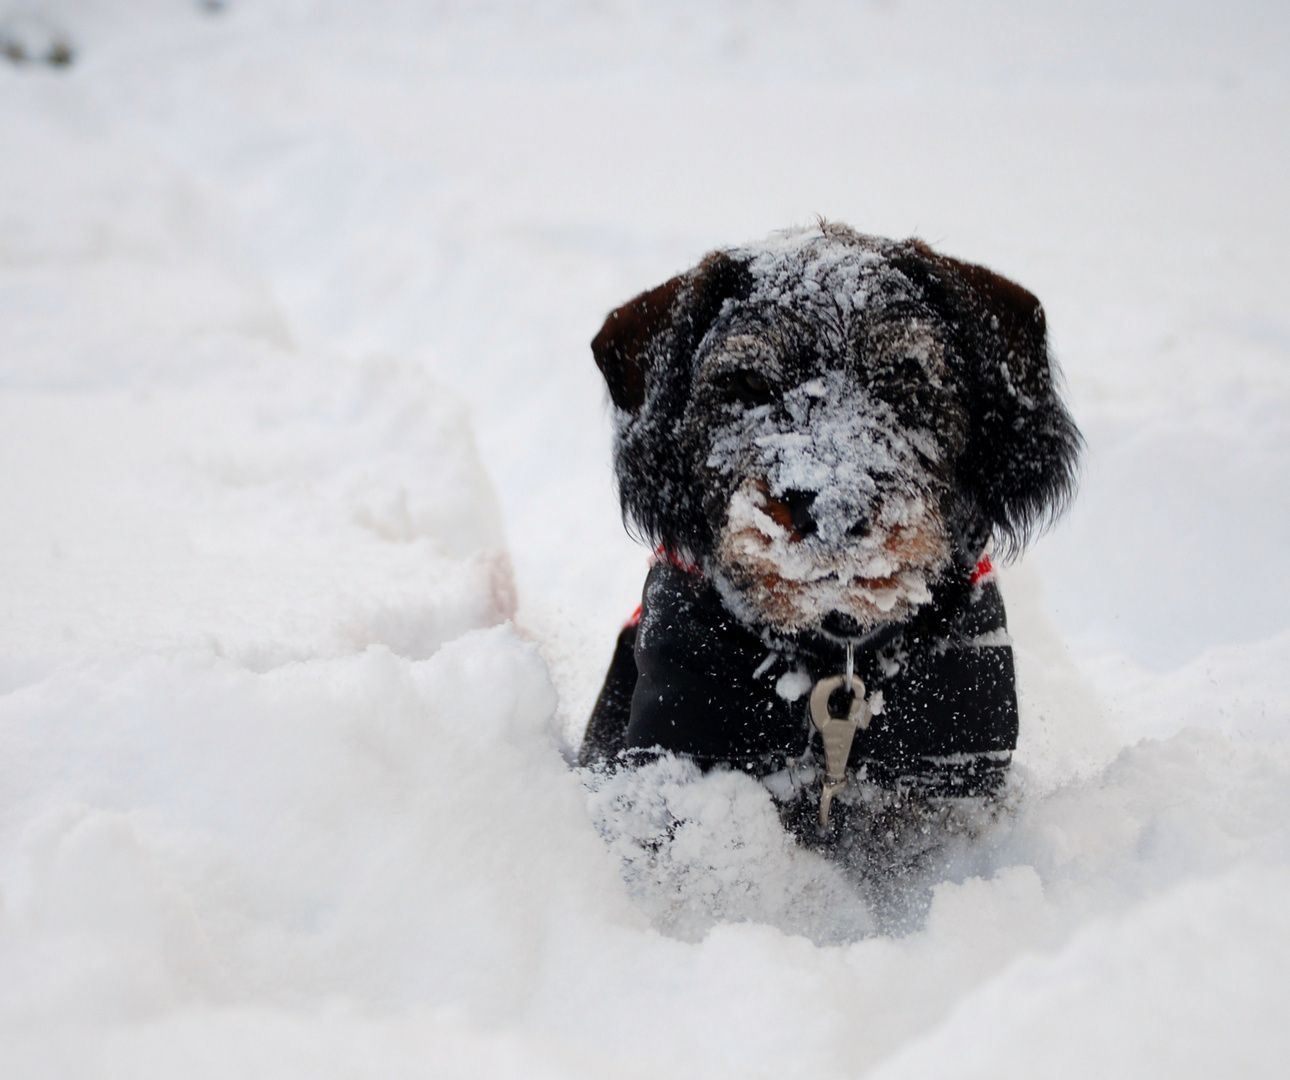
(1126, 998)
(294, 302)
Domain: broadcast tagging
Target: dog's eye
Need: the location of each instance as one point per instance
(911, 368)
(750, 387)
(903, 372)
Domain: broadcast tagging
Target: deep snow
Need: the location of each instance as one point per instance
(311, 563)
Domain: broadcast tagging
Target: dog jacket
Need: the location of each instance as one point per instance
(689, 678)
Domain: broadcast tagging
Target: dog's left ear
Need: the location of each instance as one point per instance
(1020, 461)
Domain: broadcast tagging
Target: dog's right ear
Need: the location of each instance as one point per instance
(621, 346)
(671, 318)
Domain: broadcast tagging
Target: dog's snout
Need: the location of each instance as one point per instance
(792, 510)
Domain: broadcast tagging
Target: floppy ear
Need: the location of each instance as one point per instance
(1020, 461)
(621, 344)
(670, 319)
(646, 352)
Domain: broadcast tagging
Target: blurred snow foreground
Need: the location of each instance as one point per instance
(293, 309)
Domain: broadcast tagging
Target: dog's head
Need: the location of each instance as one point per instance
(828, 424)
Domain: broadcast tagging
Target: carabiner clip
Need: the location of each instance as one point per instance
(837, 734)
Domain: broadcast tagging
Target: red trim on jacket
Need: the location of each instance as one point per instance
(671, 556)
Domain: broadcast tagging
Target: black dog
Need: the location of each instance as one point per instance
(821, 433)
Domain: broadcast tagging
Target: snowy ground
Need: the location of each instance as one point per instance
(310, 561)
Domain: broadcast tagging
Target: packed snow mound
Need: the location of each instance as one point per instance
(178, 475)
(288, 834)
(279, 513)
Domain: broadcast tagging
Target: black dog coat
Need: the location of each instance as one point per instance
(687, 677)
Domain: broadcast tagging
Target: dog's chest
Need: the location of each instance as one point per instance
(708, 687)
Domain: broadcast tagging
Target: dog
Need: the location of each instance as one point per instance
(825, 435)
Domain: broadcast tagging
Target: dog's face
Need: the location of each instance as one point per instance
(829, 424)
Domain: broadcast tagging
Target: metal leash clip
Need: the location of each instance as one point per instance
(837, 733)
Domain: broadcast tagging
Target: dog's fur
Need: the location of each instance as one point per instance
(827, 423)
(823, 432)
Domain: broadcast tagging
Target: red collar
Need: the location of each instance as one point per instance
(671, 556)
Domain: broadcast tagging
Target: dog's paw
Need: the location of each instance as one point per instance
(700, 848)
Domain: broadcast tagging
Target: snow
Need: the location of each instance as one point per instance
(311, 562)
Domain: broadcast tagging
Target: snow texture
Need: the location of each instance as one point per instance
(311, 561)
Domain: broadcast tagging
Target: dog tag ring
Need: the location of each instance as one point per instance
(837, 734)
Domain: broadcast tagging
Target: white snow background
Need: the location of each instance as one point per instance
(310, 563)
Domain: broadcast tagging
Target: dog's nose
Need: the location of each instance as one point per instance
(799, 512)
(861, 525)
(792, 510)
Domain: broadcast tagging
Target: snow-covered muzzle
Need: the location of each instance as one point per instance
(832, 426)
(826, 510)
